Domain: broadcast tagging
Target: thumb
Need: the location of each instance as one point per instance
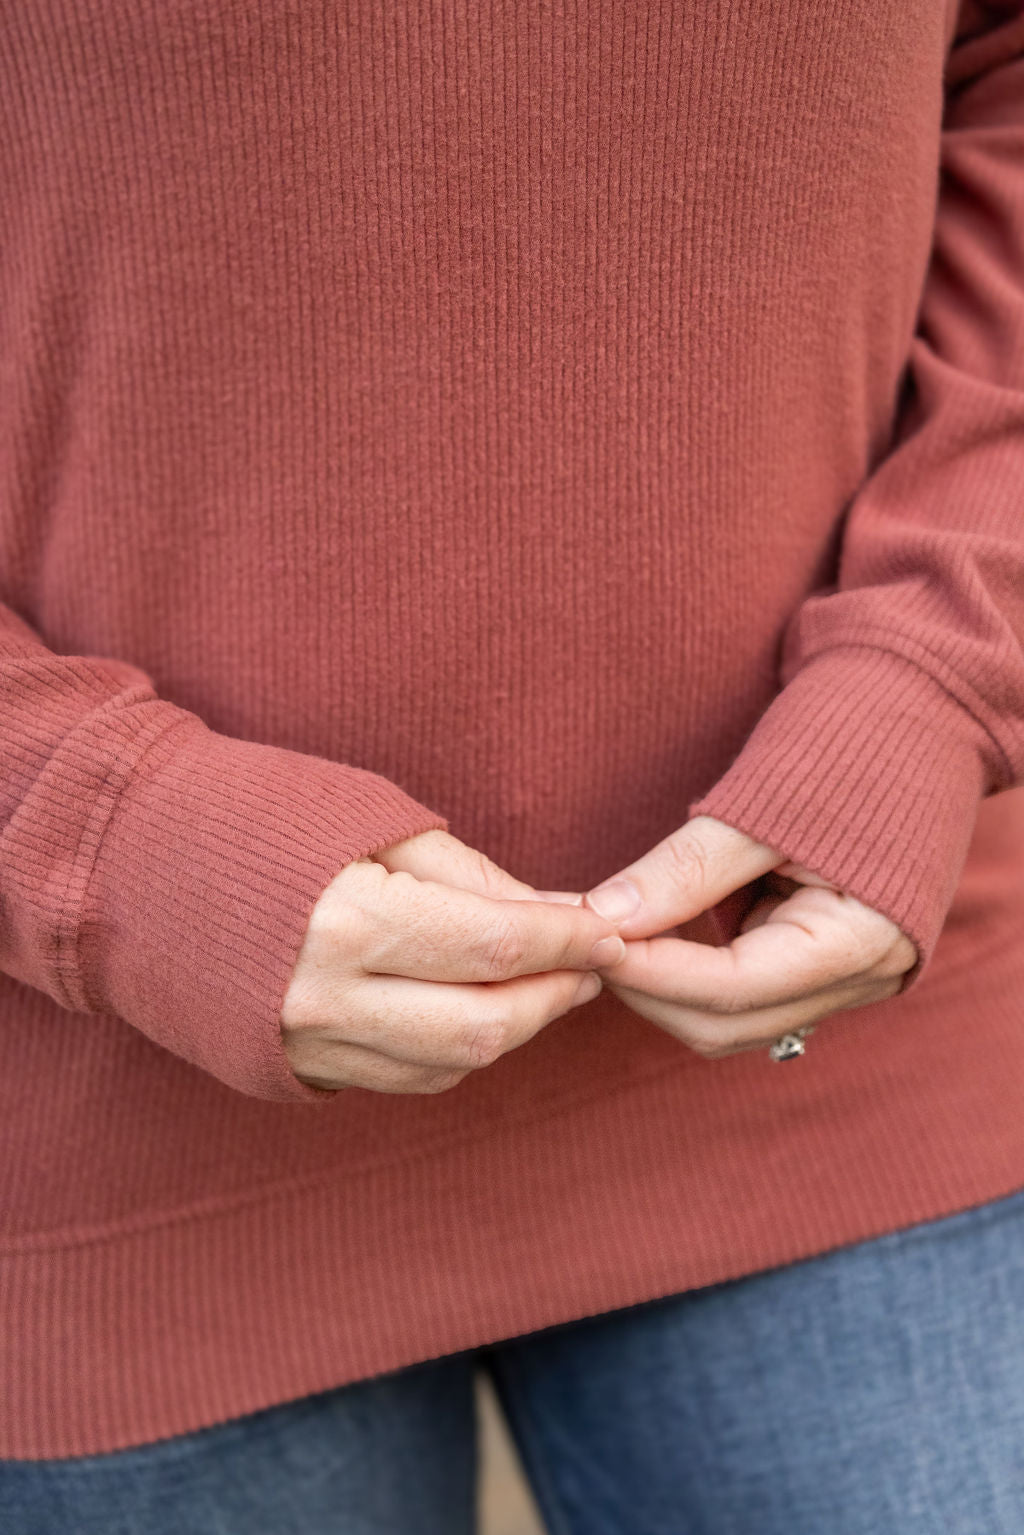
(688, 872)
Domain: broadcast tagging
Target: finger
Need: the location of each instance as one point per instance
(712, 1035)
(687, 872)
(803, 875)
(459, 1027)
(813, 940)
(431, 932)
(330, 1064)
(437, 855)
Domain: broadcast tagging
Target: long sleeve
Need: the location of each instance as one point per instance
(157, 870)
(901, 700)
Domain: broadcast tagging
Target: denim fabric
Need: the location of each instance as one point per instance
(395, 1453)
(875, 1390)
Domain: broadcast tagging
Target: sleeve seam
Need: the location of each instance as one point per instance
(123, 765)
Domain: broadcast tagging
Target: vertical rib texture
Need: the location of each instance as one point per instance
(542, 421)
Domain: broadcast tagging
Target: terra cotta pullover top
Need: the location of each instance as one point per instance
(547, 421)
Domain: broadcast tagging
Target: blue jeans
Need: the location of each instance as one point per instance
(875, 1390)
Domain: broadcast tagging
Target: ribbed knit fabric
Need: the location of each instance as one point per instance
(543, 421)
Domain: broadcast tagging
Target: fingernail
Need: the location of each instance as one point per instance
(607, 951)
(564, 897)
(615, 901)
(589, 988)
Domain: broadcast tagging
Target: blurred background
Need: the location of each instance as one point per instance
(506, 1506)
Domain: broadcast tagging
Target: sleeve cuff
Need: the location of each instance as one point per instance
(198, 899)
(864, 769)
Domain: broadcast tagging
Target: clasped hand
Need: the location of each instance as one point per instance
(427, 961)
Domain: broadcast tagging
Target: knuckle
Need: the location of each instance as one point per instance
(706, 1044)
(316, 1002)
(311, 1054)
(440, 1081)
(866, 942)
(302, 1008)
(492, 880)
(865, 949)
(339, 930)
(687, 860)
(356, 882)
(505, 948)
(883, 988)
(484, 1042)
(897, 959)
(731, 1003)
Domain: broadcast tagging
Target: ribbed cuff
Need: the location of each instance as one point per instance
(867, 771)
(212, 859)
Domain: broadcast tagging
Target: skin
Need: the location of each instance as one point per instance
(427, 961)
(805, 950)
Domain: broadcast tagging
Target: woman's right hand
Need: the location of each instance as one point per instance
(427, 961)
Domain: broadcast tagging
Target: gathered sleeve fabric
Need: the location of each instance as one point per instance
(901, 699)
(157, 870)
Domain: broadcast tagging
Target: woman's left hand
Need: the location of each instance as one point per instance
(805, 949)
